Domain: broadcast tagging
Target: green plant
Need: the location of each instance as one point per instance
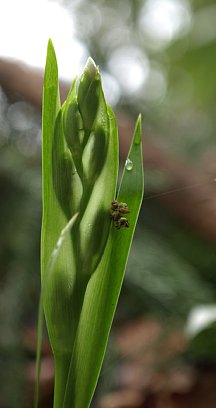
(83, 251)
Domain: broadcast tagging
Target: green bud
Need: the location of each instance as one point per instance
(89, 92)
(66, 182)
(97, 191)
(73, 127)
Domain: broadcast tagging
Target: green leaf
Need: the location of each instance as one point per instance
(51, 107)
(50, 268)
(104, 288)
(59, 180)
(39, 351)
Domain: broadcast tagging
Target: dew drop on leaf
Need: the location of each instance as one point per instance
(128, 164)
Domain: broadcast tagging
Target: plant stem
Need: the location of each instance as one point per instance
(62, 363)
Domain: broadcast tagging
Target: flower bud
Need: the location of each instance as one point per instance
(89, 93)
(83, 178)
(66, 182)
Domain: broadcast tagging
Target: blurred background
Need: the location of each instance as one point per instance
(157, 57)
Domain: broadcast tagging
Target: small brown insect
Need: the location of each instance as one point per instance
(115, 204)
(117, 210)
(123, 208)
(122, 223)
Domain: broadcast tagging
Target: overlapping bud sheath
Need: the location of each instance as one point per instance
(84, 163)
(92, 144)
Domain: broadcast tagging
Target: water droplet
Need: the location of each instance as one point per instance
(214, 180)
(128, 164)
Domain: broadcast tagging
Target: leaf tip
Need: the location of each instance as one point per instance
(91, 67)
(50, 43)
(50, 48)
(138, 130)
(51, 70)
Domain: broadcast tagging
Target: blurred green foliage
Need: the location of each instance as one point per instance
(20, 215)
(202, 347)
(170, 268)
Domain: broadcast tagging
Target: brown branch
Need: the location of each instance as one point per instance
(20, 81)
